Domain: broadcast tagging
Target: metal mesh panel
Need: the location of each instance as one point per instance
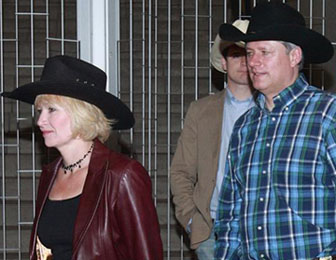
(164, 65)
(30, 31)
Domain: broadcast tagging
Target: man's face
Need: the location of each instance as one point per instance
(271, 69)
(235, 65)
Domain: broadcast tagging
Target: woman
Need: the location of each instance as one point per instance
(92, 203)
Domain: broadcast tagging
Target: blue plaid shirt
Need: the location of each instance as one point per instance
(278, 196)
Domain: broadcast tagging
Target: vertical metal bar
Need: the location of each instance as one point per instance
(298, 5)
(196, 49)
(150, 100)
(3, 187)
(118, 68)
(131, 62)
(62, 26)
(225, 11)
(143, 122)
(323, 16)
(323, 32)
(155, 93)
(182, 97)
(239, 8)
(47, 28)
(310, 14)
(47, 22)
(17, 104)
(149, 61)
(209, 46)
(168, 126)
(32, 39)
(310, 26)
(182, 62)
(225, 17)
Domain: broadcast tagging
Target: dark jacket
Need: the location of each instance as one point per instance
(116, 217)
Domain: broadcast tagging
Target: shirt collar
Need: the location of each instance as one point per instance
(286, 96)
(230, 98)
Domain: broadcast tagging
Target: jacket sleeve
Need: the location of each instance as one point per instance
(136, 215)
(184, 169)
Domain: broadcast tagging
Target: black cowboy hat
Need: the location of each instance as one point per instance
(72, 77)
(280, 22)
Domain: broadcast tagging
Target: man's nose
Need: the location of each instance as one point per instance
(253, 59)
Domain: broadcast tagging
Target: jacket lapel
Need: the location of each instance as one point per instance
(217, 125)
(45, 185)
(92, 192)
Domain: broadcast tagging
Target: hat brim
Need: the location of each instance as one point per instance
(217, 49)
(112, 107)
(230, 33)
(316, 48)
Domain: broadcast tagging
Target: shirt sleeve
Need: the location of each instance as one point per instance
(228, 214)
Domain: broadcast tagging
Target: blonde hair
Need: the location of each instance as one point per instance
(87, 121)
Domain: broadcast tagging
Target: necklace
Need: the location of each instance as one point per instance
(72, 166)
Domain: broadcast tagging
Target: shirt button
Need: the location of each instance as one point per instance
(259, 227)
(262, 255)
(286, 108)
(263, 172)
(273, 119)
(268, 144)
(261, 199)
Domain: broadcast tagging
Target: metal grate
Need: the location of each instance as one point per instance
(30, 31)
(163, 65)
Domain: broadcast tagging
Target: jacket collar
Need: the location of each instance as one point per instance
(92, 190)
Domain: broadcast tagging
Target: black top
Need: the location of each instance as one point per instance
(56, 225)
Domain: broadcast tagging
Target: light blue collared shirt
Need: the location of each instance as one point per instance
(232, 110)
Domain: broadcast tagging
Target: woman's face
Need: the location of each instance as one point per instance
(55, 125)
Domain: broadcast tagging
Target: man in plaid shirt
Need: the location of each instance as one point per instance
(278, 195)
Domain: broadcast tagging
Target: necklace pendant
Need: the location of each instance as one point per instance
(71, 167)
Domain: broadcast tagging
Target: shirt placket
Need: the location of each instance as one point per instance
(264, 184)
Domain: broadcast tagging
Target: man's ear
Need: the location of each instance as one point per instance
(295, 56)
(223, 60)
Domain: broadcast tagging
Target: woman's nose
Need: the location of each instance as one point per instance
(40, 119)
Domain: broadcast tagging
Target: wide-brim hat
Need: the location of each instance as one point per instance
(75, 78)
(280, 22)
(220, 44)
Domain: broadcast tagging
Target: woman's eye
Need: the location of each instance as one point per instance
(39, 111)
(51, 109)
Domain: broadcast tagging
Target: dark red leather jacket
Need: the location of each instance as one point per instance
(116, 217)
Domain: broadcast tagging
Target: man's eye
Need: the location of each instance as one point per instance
(236, 55)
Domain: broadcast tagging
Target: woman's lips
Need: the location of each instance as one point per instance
(46, 132)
